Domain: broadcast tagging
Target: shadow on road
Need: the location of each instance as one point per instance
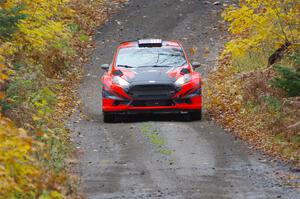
(136, 118)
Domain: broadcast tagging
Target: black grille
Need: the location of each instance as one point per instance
(145, 92)
(152, 103)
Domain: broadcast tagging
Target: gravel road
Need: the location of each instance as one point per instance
(160, 156)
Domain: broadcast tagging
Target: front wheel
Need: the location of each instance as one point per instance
(196, 115)
(108, 118)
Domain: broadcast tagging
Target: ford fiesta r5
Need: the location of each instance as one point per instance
(151, 76)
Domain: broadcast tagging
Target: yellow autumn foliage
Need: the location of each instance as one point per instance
(19, 170)
(44, 25)
(42, 38)
(24, 172)
(256, 23)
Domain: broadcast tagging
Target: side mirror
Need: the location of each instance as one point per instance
(196, 64)
(105, 67)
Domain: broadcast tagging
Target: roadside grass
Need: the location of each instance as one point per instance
(251, 61)
(155, 139)
(288, 148)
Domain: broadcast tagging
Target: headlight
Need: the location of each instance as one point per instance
(120, 81)
(183, 80)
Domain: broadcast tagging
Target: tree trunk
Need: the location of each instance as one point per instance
(278, 54)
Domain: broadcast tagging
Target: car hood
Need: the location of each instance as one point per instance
(152, 75)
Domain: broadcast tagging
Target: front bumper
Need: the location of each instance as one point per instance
(169, 106)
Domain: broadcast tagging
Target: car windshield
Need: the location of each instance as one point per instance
(150, 57)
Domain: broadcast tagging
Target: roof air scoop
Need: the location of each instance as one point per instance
(150, 43)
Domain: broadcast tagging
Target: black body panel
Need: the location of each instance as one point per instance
(141, 103)
(151, 83)
(158, 75)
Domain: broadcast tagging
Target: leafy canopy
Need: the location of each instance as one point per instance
(257, 23)
(44, 25)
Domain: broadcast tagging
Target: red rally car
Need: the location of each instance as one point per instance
(151, 76)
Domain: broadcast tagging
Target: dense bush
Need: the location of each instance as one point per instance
(289, 74)
(289, 80)
(9, 19)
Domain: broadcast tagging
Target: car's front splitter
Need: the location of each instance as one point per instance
(194, 105)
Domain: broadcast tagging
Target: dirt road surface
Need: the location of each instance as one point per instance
(160, 156)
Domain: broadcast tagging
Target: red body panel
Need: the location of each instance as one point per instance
(194, 103)
(109, 107)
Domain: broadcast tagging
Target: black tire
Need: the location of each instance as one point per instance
(196, 115)
(108, 118)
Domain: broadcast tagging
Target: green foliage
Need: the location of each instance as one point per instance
(18, 66)
(289, 80)
(51, 195)
(9, 19)
(43, 100)
(294, 58)
(65, 48)
(84, 38)
(58, 148)
(73, 27)
(4, 105)
(289, 76)
(273, 102)
(19, 90)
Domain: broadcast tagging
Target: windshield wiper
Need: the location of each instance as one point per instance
(125, 66)
(161, 66)
(171, 55)
(150, 66)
